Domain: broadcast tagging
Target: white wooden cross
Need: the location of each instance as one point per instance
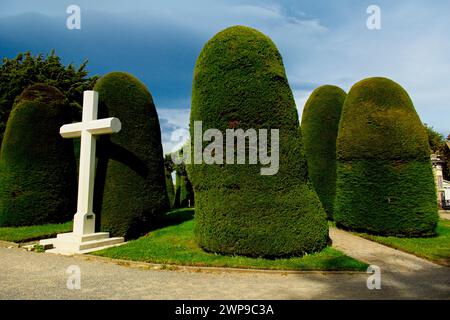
(88, 129)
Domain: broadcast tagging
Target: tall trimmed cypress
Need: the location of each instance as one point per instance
(240, 83)
(183, 191)
(169, 187)
(320, 122)
(385, 182)
(130, 183)
(37, 166)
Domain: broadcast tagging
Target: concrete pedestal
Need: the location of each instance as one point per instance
(70, 243)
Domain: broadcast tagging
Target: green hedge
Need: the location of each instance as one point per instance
(387, 197)
(320, 122)
(240, 82)
(131, 188)
(385, 183)
(38, 182)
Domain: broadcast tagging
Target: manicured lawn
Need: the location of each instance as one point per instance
(24, 234)
(175, 245)
(436, 249)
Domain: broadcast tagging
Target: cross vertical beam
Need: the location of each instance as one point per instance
(84, 220)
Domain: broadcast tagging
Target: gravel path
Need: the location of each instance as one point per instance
(29, 275)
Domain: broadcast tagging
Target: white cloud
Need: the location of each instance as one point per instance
(174, 127)
(300, 97)
(176, 118)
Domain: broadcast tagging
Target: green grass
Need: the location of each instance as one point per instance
(436, 249)
(175, 245)
(29, 233)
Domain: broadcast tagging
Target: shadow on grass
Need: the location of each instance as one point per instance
(173, 218)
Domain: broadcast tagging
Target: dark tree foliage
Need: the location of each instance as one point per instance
(25, 69)
(385, 183)
(37, 166)
(169, 165)
(240, 83)
(130, 183)
(436, 140)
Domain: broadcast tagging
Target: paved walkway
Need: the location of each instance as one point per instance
(29, 275)
(445, 216)
(388, 259)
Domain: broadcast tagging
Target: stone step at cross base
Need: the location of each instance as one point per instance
(70, 243)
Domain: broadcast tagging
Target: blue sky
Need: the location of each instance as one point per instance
(322, 42)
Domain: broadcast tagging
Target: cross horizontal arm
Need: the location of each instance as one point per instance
(95, 127)
(104, 126)
(72, 130)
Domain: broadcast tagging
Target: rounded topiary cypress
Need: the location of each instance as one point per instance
(320, 122)
(385, 182)
(131, 188)
(37, 166)
(240, 83)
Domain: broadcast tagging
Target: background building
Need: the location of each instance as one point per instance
(443, 186)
